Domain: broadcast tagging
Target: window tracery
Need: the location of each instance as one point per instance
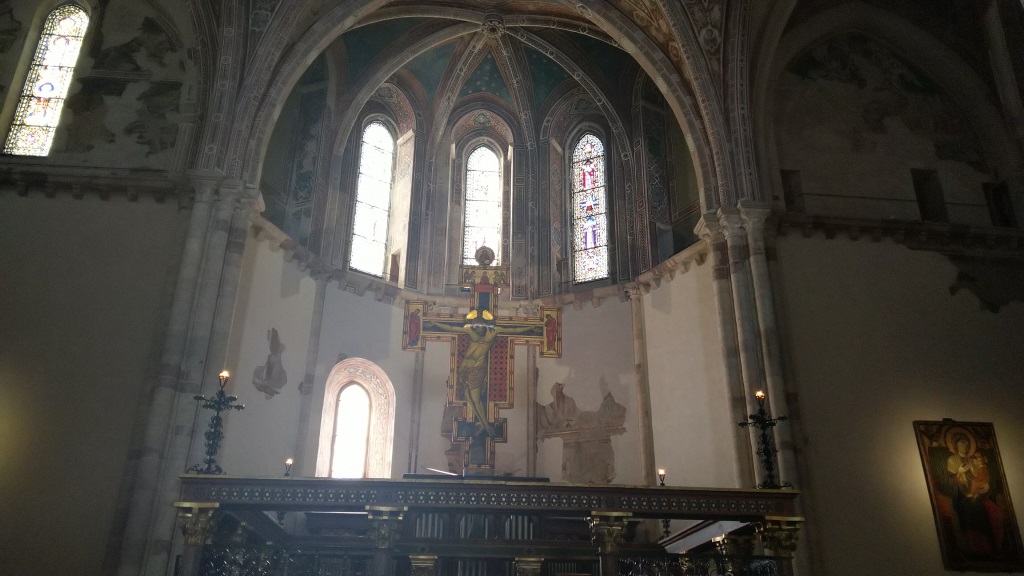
(373, 200)
(589, 210)
(482, 225)
(49, 77)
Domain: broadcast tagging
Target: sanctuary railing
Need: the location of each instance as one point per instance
(478, 527)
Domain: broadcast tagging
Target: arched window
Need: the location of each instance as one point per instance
(373, 200)
(589, 210)
(357, 428)
(483, 204)
(46, 86)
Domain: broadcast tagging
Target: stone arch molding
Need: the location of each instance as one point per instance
(956, 77)
(268, 89)
(380, 443)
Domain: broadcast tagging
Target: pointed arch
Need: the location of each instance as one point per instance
(46, 86)
(381, 431)
(374, 188)
(482, 224)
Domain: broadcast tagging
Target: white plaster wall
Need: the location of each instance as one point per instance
(876, 341)
(597, 358)
(362, 327)
(689, 401)
(84, 290)
(272, 293)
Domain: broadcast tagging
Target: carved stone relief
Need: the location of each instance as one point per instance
(271, 377)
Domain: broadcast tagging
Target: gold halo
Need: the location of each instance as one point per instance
(952, 432)
(487, 315)
(471, 315)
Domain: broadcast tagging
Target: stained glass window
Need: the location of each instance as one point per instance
(351, 431)
(49, 78)
(589, 211)
(483, 204)
(373, 200)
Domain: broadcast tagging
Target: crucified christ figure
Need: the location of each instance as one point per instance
(482, 332)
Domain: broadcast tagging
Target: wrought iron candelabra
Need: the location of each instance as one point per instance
(665, 522)
(765, 446)
(220, 402)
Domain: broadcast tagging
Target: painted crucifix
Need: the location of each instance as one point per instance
(482, 359)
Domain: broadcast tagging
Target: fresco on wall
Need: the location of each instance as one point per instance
(154, 129)
(890, 88)
(271, 377)
(587, 452)
(970, 499)
(151, 41)
(10, 27)
(86, 128)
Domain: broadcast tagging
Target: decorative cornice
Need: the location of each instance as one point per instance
(950, 239)
(24, 178)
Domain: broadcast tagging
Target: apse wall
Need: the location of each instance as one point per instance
(357, 326)
(597, 360)
(689, 400)
(273, 295)
(84, 294)
(875, 341)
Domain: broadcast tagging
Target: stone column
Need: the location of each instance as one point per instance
(423, 565)
(711, 231)
(305, 468)
(778, 536)
(643, 387)
(385, 529)
(606, 532)
(196, 521)
(754, 217)
(161, 403)
(529, 566)
(194, 368)
(746, 316)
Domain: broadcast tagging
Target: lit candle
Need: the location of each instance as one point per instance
(661, 476)
(224, 375)
(288, 466)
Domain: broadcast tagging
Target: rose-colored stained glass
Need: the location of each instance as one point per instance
(589, 213)
(46, 86)
(373, 200)
(483, 205)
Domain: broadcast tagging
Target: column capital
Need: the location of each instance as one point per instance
(385, 524)
(606, 531)
(196, 520)
(754, 214)
(708, 227)
(423, 564)
(732, 222)
(528, 566)
(779, 535)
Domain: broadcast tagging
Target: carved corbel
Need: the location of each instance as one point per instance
(606, 531)
(385, 525)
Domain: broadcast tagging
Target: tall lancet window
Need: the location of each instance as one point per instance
(483, 204)
(46, 86)
(589, 210)
(373, 200)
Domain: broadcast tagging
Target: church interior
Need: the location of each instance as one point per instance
(529, 287)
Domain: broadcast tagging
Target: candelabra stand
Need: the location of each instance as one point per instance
(665, 522)
(765, 446)
(215, 432)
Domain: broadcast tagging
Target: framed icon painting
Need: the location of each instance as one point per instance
(970, 499)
